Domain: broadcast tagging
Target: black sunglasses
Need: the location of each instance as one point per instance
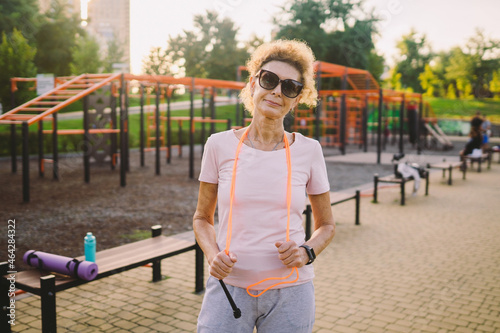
(269, 80)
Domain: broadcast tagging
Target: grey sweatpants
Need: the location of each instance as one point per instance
(289, 309)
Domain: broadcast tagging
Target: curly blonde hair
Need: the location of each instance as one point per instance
(293, 52)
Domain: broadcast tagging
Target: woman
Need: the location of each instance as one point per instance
(259, 175)
(475, 142)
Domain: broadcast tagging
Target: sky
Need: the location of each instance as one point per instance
(446, 23)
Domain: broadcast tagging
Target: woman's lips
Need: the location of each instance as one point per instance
(272, 103)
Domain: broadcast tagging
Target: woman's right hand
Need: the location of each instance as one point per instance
(222, 264)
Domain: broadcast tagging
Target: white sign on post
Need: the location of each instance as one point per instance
(44, 83)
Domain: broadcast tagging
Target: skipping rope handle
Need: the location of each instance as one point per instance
(236, 311)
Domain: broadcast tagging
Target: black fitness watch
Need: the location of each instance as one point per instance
(310, 253)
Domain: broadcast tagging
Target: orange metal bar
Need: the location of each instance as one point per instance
(10, 122)
(36, 99)
(75, 98)
(81, 131)
(14, 80)
(34, 109)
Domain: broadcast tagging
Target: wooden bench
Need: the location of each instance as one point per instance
(335, 198)
(485, 157)
(397, 180)
(448, 166)
(110, 262)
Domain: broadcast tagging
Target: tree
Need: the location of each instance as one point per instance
(414, 53)
(114, 55)
(86, 56)
(338, 31)
(450, 92)
(495, 84)
(484, 60)
(157, 62)
(211, 50)
(56, 39)
(16, 60)
(430, 82)
(459, 70)
(394, 80)
(22, 15)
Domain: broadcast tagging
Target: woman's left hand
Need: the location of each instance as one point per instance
(291, 255)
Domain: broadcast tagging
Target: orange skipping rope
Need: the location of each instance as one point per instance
(288, 204)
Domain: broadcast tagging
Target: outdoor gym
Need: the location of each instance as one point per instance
(360, 113)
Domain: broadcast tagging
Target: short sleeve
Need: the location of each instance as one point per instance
(318, 179)
(209, 165)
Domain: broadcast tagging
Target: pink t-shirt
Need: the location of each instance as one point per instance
(259, 207)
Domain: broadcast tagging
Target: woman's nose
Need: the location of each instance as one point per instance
(277, 90)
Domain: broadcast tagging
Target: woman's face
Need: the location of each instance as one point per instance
(273, 103)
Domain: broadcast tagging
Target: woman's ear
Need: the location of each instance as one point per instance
(296, 101)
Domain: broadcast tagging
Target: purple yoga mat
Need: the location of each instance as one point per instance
(85, 270)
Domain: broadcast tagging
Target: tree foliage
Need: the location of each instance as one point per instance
(86, 56)
(114, 55)
(461, 72)
(158, 63)
(22, 15)
(414, 54)
(338, 31)
(210, 50)
(56, 39)
(16, 60)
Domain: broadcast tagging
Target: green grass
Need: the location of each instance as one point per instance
(465, 109)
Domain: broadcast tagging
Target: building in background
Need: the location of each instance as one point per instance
(105, 20)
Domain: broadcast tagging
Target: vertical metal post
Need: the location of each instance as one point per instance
(157, 129)
(191, 132)
(238, 79)
(55, 147)
(26, 163)
(40, 149)
(13, 148)
(403, 182)
(358, 204)
(114, 123)
(169, 127)
(318, 106)
(343, 114)
(212, 111)
(48, 300)
(365, 116)
(141, 124)
(123, 168)
(379, 127)
(127, 147)
(13, 142)
(375, 187)
(200, 260)
(203, 115)
(308, 212)
(155, 232)
(402, 110)
(86, 141)
(419, 122)
(343, 122)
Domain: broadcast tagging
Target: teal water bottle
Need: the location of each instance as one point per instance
(90, 246)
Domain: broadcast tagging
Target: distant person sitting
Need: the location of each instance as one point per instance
(475, 142)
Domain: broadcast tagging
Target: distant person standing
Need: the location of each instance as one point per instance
(486, 129)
